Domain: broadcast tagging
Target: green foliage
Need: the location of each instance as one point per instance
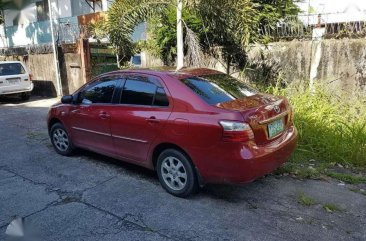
(305, 200)
(347, 178)
(332, 126)
(330, 208)
(230, 24)
(124, 16)
(163, 33)
(358, 190)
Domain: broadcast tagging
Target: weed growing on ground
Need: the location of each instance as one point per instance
(329, 207)
(305, 200)
(358, 190)
(347, 178)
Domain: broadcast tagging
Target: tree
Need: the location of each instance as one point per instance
(230, 24)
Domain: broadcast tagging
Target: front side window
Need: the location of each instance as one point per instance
(99, 93)
(218, 88)
(144, 91)
(11, 69)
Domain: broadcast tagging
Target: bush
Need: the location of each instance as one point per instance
(331, 125)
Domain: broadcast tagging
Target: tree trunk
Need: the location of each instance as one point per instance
(180, 47)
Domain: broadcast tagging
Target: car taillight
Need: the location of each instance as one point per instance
(236, 131)
(30, 77)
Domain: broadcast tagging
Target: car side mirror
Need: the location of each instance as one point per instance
(67, 99)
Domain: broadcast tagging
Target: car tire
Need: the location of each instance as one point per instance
(61, 140)
(176, 173)
(25, 96)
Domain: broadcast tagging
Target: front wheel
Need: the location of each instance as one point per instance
(176, 173)
(60, 140)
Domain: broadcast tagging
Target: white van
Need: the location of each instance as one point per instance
(15, 79)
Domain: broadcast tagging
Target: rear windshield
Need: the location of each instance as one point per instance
(11, 69)
(218, 88)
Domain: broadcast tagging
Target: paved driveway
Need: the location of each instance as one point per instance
(91, 197)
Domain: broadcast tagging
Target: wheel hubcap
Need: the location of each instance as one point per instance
(174, 173)
(61, 140)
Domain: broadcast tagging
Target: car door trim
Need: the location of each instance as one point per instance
(90, 131)
(129, 139)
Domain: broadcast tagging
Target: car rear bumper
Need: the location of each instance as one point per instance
(243, 163)
(9, 90)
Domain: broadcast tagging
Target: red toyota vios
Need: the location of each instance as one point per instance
(193, 127)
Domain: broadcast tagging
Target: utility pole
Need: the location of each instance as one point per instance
(57, 66)
(180, 46)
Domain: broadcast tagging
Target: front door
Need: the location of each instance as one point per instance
(142, 113)
(91, 118)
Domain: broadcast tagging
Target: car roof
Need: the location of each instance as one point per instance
(10, 62)
(170, 71)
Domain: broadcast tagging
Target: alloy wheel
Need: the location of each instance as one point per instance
(61, 140)
(174, 173)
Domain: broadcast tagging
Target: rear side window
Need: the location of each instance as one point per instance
(144, 91)
(219, 88)
(137, 92)
(99, 93)
(11, 69)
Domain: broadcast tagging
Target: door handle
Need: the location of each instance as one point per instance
(77, 111)
(153, 120)
(104, 115)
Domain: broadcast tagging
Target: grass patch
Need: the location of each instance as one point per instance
(305, 200)
(331, 125)
(357, 190)
(329, 207)
(34, 135)
(347, 178)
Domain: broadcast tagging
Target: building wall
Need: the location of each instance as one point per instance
(29, 31)
(62, 8)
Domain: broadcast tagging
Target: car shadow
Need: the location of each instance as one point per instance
(17, 100)
(11, 99)
(231, 193)
(119, 165)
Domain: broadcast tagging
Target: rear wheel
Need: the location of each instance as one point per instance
(176, 173)
(60, 140)
(25, 96)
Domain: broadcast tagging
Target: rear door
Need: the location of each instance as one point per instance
(13, 78)
(91, 119)
(142, 113)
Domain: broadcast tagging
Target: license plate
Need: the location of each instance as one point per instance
(276, 128)
(13, 81)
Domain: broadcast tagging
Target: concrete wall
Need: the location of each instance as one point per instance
(71, 73)
(43, 71)
(339, 63)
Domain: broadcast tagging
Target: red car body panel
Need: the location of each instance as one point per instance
(132, 133)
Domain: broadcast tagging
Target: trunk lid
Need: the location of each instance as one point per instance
(264, 113)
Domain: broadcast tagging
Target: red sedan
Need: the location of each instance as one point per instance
(193, 127)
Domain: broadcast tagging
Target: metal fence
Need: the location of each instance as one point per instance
(332, 25)
(70, 32)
